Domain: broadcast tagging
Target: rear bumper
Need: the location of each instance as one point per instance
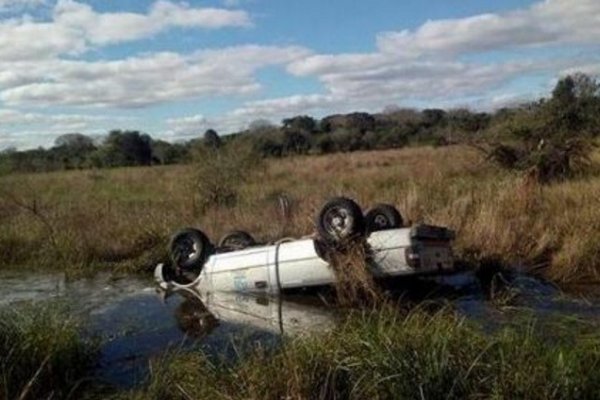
(431, 232)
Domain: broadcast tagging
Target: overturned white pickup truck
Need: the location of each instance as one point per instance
(238, 264)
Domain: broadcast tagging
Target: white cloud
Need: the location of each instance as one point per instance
(141, 81)
(11, 117)
(546, 22)
(508, 100)
(29, 139)
(425, 64)
(32, 129)
(23, 39)
(434, 83)
(53, 122)
(10, 140)
(190, 126)
(193, 126)
(75, 27)
(109, 28)
(376, 79)
(592, 68)
(285, 106)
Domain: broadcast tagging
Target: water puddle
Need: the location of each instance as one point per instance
(136, 322)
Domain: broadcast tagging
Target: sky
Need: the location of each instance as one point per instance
(174, 69)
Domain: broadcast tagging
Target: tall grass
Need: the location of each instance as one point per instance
(122, 218)
(42, 354)
(354, 284)
(385, 355)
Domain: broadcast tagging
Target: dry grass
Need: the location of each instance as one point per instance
(122, 217)
(354, 284)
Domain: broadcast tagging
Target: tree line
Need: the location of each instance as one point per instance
(508, 135)
(296, 135)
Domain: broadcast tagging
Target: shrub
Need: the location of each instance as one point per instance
(559, 160)
(552, 140)
(219, 173)
(548, 161)
(42, 354)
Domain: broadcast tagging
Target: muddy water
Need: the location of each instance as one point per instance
(135, 322)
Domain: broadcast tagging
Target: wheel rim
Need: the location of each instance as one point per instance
(185, 249)
(381, 221)
(338, 222)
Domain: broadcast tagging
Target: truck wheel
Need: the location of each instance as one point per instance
(237, 240)
(189, 249)
(383, 217)
(340, 219)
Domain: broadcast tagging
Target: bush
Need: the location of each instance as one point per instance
(559, 160)
(549, 161)
(219, 173)
(551, 140)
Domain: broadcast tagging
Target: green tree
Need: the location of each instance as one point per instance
(167, 153)
(212, 139)
(574, 107)
(72, 150)
(433, 117)
(75, 141)
(124, 148)
(296, 142)
(302, 123)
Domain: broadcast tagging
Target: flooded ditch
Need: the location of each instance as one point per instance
(134, 321)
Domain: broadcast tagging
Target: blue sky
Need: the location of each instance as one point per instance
(174, 69)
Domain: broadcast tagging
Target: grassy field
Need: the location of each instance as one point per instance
(122, 218)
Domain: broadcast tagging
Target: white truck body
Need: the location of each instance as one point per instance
(296, 264)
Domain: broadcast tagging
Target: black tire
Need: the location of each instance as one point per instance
(383, 217)
(237, 240)
(340, 220)
(189, 249)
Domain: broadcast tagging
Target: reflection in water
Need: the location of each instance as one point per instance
(194, 319)
(135, 324)
(201, 312)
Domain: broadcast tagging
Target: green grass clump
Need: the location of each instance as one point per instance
(384, 355)
(42, 353)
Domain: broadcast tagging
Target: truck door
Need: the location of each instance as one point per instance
(242, 271)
